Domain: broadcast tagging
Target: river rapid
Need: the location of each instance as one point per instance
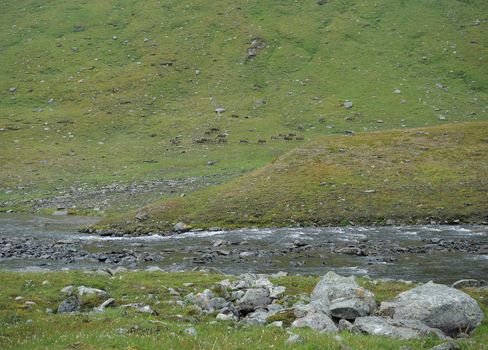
(420, 253)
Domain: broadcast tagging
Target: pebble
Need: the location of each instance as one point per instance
(191, 331)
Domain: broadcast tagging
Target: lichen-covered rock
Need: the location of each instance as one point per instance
(344, 295)
(350, 309)
(401, 329)
(438, 306)
(88, 291)
(253, 299)
(72, 304)
(317, 321)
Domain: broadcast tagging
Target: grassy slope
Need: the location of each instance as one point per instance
(436, 173)
(117, 105)
(100, 331)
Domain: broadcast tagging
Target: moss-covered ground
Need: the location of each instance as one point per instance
(96, 92)
(435, 174)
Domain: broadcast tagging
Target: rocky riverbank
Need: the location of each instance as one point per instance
(70, 251)
(116, 196)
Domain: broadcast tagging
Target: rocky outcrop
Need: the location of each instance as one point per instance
(343, 297)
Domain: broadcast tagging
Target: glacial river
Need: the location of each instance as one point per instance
(420, 253)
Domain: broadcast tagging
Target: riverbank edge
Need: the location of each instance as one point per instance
(170, 229)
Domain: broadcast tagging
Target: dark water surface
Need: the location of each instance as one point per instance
(295, 250)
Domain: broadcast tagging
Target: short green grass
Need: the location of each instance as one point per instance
(407, 176)
(166, 331)
(118, 99)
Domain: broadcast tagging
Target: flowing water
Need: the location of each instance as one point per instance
(420, 253)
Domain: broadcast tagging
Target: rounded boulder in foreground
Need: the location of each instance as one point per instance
(438, 306)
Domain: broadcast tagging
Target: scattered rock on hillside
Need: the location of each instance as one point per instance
(139, 307)
(142, 216)
(348, 104)
(181, 227)
(82, 290)
(105, 304)
(257, 44)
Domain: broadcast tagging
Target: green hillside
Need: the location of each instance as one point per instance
(93, 92)
(435, 174)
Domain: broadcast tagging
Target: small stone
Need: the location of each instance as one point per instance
(12, 90)
(191, 331)
(226, 317)
(142, 216)
(219, 110)
(293, 339)
(348, 104)
(446, 346)
(68, 290)
(181, 227)
(469, 283)
(397, 91)
(277, 324)
(106, 303)
(82, 290)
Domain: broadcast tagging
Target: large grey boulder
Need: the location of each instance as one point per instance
(438, 306)
(344, 297)
(388, 327)
(317, 321)
(72, 304)
(349, 309)
(253, 299)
